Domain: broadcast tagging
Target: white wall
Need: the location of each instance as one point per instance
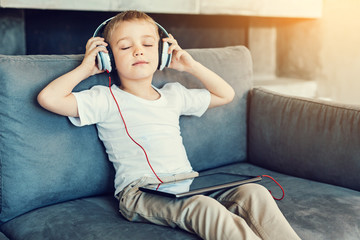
(279, 8)
(326, 50)
(339, 77)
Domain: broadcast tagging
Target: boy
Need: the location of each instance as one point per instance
(152, 116)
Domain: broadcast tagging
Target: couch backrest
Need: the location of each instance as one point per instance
(45, 160)
(307, 138)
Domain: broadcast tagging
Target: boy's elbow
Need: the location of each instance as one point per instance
(44, 100)
(230, 96)
(65, 106)
(217, 101)
(41, 99)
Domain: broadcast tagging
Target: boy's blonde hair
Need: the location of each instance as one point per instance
(125, 16)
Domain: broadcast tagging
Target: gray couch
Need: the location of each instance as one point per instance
(56, 181)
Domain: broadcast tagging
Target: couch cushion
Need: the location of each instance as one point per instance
(3, 237)
(315, 211)
(305, 137)
(91, 218)
(45, 160)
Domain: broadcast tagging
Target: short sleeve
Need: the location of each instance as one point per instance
(93, 105)
(195, 101)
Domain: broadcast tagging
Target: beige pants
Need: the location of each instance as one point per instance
(244, 212)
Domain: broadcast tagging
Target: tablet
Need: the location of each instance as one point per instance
(203, 184)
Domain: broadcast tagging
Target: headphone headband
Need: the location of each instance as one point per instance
(100, 29)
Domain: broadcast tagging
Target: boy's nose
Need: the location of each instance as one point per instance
(138, 52)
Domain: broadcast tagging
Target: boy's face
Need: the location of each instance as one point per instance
(135, 48)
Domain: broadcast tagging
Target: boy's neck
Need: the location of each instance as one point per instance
(143, 90)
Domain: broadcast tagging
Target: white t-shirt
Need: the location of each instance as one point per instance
(153, 124)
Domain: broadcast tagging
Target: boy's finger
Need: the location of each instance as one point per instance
(174, 47)
(170, 40)
(91, 40)
(94, 42)
(98, 49)
(102, 48)
(91, 53)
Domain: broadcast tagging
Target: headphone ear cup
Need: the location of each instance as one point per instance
(99, 61)
(112, 59)
(105, 60)
(164, 57)
(168, 56)
(160, 67)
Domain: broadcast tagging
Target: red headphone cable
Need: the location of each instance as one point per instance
(127, 132)
(282, 189)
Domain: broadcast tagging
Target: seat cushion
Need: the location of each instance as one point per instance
(315, 211)
(89, 218)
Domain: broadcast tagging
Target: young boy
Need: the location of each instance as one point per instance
(152, 118)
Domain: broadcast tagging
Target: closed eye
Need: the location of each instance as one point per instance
(125, 48)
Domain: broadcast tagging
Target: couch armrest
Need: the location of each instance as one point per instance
(306, 138)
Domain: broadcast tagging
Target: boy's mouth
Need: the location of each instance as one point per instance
(140, 63)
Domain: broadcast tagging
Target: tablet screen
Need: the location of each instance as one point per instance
(199, 185)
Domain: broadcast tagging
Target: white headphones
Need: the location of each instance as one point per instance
(105, 61)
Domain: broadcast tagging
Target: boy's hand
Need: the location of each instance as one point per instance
(181, 60)
(93, 46)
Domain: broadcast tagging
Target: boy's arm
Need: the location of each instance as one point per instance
(57, 97)
(221, 92)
